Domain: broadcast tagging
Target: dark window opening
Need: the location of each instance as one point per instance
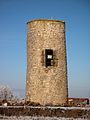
(48, 57)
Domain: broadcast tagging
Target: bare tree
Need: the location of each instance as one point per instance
(5, 93)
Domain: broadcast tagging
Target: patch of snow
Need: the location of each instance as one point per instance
(49, 107)
(5, 104)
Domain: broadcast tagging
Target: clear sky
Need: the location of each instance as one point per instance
(14, 15)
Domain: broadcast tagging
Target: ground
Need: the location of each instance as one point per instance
(37, 118)
(44, 113)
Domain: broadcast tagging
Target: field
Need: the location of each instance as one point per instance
(38, 118)
(44, 113)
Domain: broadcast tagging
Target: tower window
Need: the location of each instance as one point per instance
(48, 57)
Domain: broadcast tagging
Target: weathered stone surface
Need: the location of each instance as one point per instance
(46, 85)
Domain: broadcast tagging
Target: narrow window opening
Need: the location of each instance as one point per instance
(48, 57)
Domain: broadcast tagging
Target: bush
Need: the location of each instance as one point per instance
(5, 93)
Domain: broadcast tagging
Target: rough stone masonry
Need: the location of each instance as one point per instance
(46, 81)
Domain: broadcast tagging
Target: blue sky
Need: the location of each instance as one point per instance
(14, 15)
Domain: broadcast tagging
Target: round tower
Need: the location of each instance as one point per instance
(46, 81)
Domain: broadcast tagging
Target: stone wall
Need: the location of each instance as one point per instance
(46, 85)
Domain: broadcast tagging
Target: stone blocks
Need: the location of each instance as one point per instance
(46, 85)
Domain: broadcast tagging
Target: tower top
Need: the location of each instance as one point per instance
(52, 20)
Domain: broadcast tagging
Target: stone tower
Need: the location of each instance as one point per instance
(46, 62)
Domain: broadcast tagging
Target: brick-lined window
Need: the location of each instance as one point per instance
(48, 57)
